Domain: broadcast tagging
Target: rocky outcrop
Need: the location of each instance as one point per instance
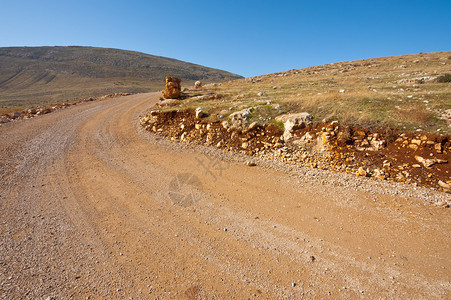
(173, 88)
(293, 122)
(383, 154)
(239, 118)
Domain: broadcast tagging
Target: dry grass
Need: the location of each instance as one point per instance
(375, 92)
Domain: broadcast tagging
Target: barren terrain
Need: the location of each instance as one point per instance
(92, 205)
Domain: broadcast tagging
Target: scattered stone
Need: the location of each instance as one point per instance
(253, 125)
(168, 102)
(442, 204)
(413, 146)
(199, 113)
(239, 118)
(293, 122)
(429, 162)
(260, 94)
(378, 173)
(438, 147)
(316, 146)
(444, 185)
(250, 163)
(4, 119)
(14, 115)
(416, 142)
(361, 172)
(377, 144)
(344, 137)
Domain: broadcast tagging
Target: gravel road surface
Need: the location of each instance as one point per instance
(92, 206)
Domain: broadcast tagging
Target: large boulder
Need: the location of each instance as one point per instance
(173, 88)
(292, 122)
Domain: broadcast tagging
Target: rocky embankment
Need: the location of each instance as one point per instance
(29, 113)
(417, 158)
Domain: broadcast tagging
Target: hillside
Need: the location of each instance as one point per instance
(387, 118)
(404, 92)
(40, 75)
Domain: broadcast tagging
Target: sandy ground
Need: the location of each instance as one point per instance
(92, 206)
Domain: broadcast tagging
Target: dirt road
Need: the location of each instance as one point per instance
(93, 206)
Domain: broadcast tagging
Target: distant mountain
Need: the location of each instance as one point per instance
(38, 75)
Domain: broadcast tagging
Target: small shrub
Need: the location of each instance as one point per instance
(444, 78)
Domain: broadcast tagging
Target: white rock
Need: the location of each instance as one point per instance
(293, 122)
(199, 113)
(239, 118)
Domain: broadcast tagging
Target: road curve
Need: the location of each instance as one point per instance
(92, 206)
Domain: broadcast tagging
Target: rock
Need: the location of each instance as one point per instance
(225, 124)
(413, 146)
(305, 139)
(293, 122)
(4, 119)
(244, 145)
(377, 145)
(344, 137)
(198, 126)
(362, 172)
(239, 118)
(197, 84)
(252, 126)
(14, 115)
(441, 204)
(416, 142)
(438, 147)
(173, 88)
(251, 164)
(168, 102)
(199, 113)
(444, 185)
(378, 173)
(429, 162)
(342, 91)
(260, 94)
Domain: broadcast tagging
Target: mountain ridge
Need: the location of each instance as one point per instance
(39, 75)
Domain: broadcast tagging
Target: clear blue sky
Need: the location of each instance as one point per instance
(245, 37)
